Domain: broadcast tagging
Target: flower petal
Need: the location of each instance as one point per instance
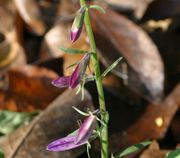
(75, 78)
(75, 33)
(61, 82)
(64, 144)
(79, 71)
(86, 129)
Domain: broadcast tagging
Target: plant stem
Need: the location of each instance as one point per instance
(98, 79)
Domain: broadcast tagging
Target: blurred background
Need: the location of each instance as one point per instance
(142, 92)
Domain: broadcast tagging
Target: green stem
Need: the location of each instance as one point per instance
(98, 79)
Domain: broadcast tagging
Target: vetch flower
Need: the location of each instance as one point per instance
(76, 77)
(73, 141)
(77, 25)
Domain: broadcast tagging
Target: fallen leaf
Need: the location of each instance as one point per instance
(7, 12)
(118, 36)
(30, 13)
(11, 53)
(54, 39)
(28, 89)
(161, 9)
(136, 7)
(152, 124)
(56, 121)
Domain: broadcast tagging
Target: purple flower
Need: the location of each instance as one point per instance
(76, 77)
(74, 141)
(76, 28)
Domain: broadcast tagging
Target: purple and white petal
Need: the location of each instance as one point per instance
(64, 144)
(75, 33)
(86, 129)
(61, 82)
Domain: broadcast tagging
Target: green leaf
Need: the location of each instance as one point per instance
(10, 121)
(72, 65)
(174, 154)
(73, 51)
(97, 7)
(1, 154)
(132, 149)
(111, 67)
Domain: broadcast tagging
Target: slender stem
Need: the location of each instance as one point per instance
(98, 79)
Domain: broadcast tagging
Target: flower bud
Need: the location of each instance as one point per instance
(76, 28)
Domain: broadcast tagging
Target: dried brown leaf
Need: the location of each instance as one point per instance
(138, 7)
(154, 151)
(152, 124)
(30, 13)
(116, 35)
(28, 88)
(56, 121)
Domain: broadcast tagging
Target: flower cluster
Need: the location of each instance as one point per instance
(81, 137)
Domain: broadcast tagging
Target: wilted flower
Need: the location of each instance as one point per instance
(76, 28)
(73, 141)
(76, 77)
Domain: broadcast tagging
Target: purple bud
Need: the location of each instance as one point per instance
(79, 71)
(86, 130)
(64, 144)
(61, 82)
(76, 28)
(75, 33)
